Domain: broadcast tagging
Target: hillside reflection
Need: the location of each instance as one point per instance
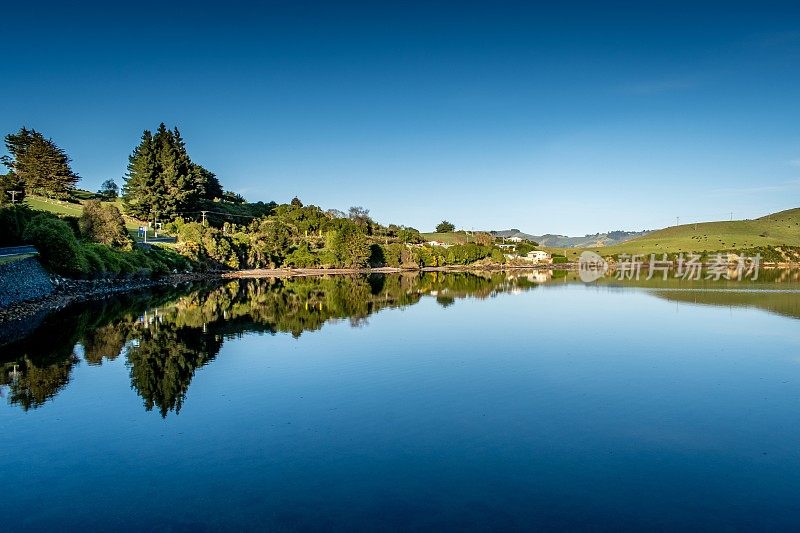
(166, 336)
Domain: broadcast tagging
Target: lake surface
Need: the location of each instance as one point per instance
(458, 401)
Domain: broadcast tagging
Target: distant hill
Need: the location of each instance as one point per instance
(773, 230)
(776, 229)
(562, 241)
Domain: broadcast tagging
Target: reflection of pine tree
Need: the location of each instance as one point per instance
(163, 354)
(163, 363)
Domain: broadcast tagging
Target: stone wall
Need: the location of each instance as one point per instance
(23, 280)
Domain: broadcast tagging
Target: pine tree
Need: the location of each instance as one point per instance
(40, 164)
(162, 179)
(140, 190)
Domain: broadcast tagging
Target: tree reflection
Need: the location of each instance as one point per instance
(166, 336)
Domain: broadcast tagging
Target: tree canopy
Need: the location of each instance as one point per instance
(162, 180)
(445, 227)
(40, 166)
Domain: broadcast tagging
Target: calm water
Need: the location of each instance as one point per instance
(410, 402)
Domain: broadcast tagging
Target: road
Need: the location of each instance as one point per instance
(13, 251)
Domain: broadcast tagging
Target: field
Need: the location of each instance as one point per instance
(54, 206)
(459, 237)
(777, 229)
(74, 209)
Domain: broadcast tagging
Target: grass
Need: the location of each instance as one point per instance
(75, 209)
(54, 206)
(775, 230)
(448, 238)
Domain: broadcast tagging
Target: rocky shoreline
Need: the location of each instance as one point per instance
(70, 291)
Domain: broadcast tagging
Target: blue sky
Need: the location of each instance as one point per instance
(551, 119)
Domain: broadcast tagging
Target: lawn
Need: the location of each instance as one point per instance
(75, 210)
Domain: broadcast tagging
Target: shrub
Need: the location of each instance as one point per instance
(58, 247)
(103, 223)
(95, 264)
(302, 257)
(13, 220)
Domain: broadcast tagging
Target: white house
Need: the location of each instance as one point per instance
(537, 256)
(514, 239)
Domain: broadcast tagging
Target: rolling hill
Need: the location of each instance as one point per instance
(774, 230)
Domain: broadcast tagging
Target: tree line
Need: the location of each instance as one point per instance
(163, 183)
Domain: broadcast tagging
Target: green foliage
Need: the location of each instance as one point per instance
(207, 246)
(497, 256)
(103, 223)
(445, 227)
(464, 254)
(13, 220)
(347, 246)
(58, 247)
(39, 164)
(302, 257)
(11, 182)
(409, 235)
(524, 247)
(109, 190)
(162, 180)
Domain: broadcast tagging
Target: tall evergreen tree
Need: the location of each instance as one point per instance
(40, 164)
(163, 181)
(140, 192)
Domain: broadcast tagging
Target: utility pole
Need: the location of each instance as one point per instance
(14, 196)
(204, 216)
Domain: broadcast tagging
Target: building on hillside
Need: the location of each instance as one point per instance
(538, 256)
(515, 239)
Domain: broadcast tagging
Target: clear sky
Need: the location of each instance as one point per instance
(551, 118)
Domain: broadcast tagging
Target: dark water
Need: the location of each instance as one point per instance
(410, 402)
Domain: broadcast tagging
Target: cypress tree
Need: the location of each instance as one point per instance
(40, 164)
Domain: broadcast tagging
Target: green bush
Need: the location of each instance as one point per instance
(95, 263)
(13, 221)
(58, 247)
(103, 223)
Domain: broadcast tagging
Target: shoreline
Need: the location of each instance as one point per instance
(69, 291)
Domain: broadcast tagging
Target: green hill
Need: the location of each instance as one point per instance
(775, 230)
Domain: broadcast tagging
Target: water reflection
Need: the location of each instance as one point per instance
(164, 337)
